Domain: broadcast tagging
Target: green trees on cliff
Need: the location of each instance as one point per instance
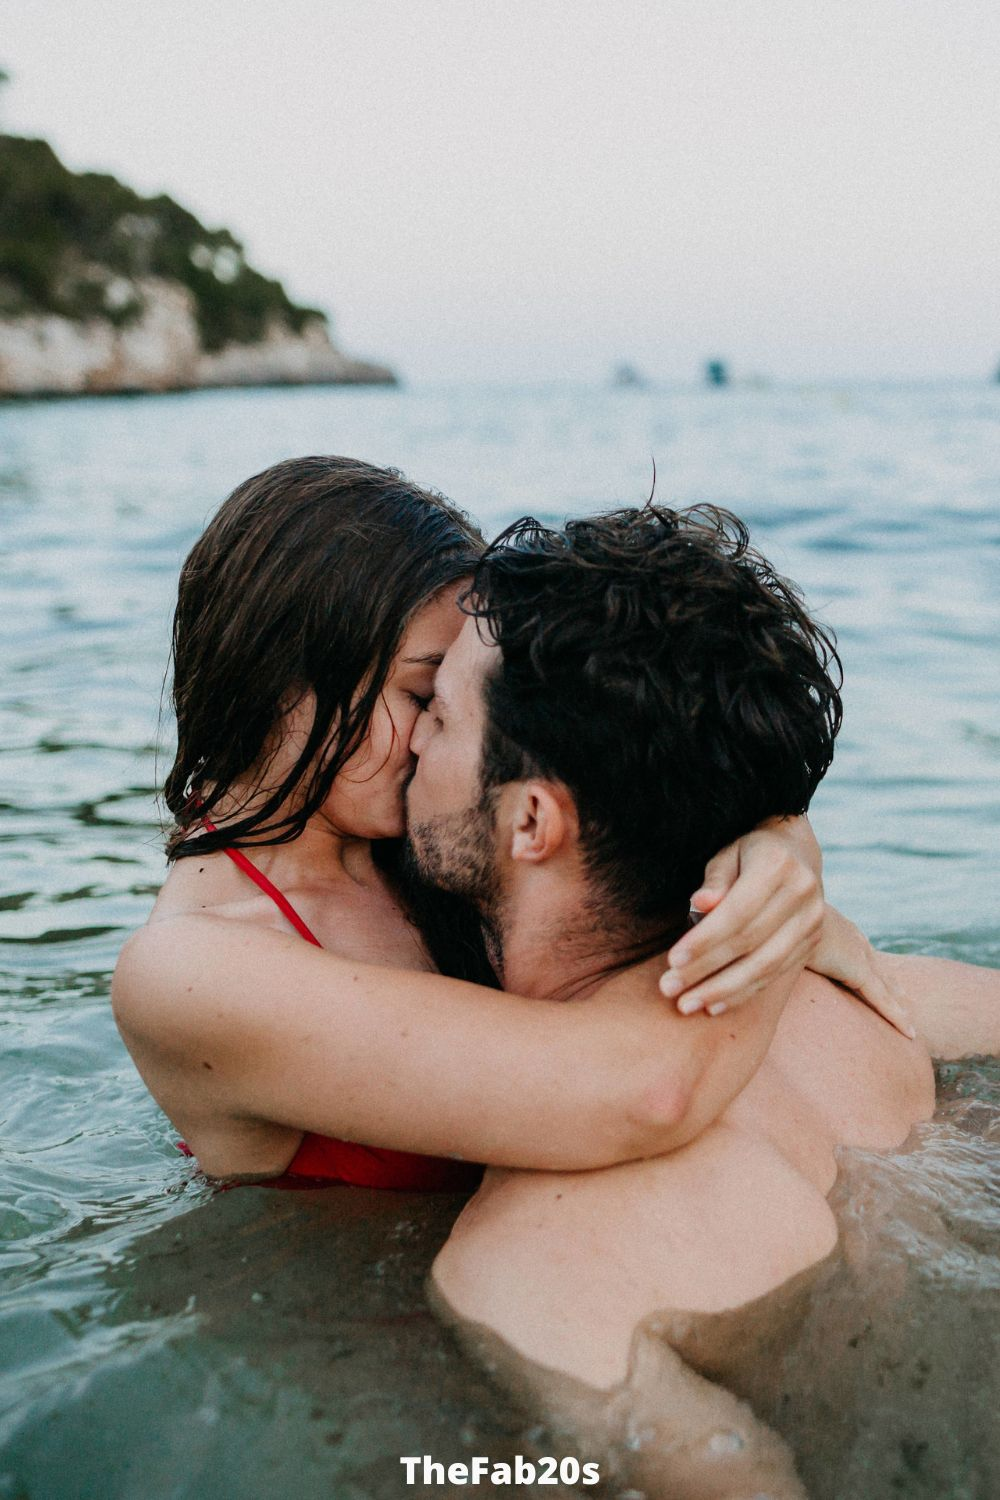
(79, 244)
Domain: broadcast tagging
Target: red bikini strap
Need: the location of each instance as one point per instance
(261, 881)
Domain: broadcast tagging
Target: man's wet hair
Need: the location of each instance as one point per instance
(654, 664)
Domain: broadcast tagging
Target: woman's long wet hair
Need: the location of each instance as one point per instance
(304, 581)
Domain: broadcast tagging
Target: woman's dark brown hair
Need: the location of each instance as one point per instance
(304, 581)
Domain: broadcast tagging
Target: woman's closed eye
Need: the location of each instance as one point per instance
(422, 703)
(432, 706)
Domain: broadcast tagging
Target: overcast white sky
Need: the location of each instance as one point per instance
(537, 188)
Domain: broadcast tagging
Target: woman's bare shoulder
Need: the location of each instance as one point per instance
(175, 962)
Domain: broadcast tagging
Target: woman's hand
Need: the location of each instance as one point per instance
(761, 915)
(846, 956)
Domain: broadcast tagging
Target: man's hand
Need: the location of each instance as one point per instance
(762, 911)
(846, 956)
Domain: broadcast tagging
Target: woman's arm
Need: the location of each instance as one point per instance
(768, 919)
(302, 1039)
(231, 1023)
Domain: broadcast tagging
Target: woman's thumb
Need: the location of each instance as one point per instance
(720, 875)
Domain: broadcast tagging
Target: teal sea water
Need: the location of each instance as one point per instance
(158, 1338)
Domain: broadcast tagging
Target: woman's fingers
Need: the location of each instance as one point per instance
(762, 910)
(740, 981)
(747, 919)
(770, 923)
(721, 874)
(788, 943)
(887, 1002)
(847, 957)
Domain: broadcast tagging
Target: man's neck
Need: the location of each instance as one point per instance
(560, 945)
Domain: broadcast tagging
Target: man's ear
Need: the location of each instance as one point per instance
(543, 821)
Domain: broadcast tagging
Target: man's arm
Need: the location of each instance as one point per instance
(955, 1006)
(699, 1441)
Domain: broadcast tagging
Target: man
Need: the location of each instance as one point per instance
(640, 682)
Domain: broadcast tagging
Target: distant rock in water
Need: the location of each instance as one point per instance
(103, 291)
(626, 376)
(716, 372)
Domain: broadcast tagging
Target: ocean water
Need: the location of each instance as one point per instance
(159, 1338)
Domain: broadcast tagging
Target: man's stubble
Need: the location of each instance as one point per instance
(457, 853)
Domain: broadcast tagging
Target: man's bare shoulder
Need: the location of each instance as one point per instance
(722, 1220)
(707, 1227)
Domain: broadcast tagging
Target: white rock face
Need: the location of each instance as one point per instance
(42, 355)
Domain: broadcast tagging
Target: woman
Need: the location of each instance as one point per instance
(285, 1005)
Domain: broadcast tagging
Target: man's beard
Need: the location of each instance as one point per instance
(457, 853)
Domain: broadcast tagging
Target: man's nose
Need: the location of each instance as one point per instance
(417, 737)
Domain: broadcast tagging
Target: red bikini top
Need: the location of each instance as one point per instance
(321, 1158)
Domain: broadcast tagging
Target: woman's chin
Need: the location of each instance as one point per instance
(391, 828)
(385, 822)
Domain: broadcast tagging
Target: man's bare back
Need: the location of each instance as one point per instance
(567, 1270)
(565, 1265)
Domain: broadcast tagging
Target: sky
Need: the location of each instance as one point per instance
(538, 189)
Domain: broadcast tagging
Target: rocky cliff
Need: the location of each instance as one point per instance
(103, 291)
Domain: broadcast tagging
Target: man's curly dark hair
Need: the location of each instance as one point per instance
(655, 664)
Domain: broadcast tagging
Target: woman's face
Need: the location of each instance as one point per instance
(367, 799)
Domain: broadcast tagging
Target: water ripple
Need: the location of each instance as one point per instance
(881, 502)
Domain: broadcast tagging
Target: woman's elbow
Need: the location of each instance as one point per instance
(638, 1119)
(647, 1117)
(661, 1112)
